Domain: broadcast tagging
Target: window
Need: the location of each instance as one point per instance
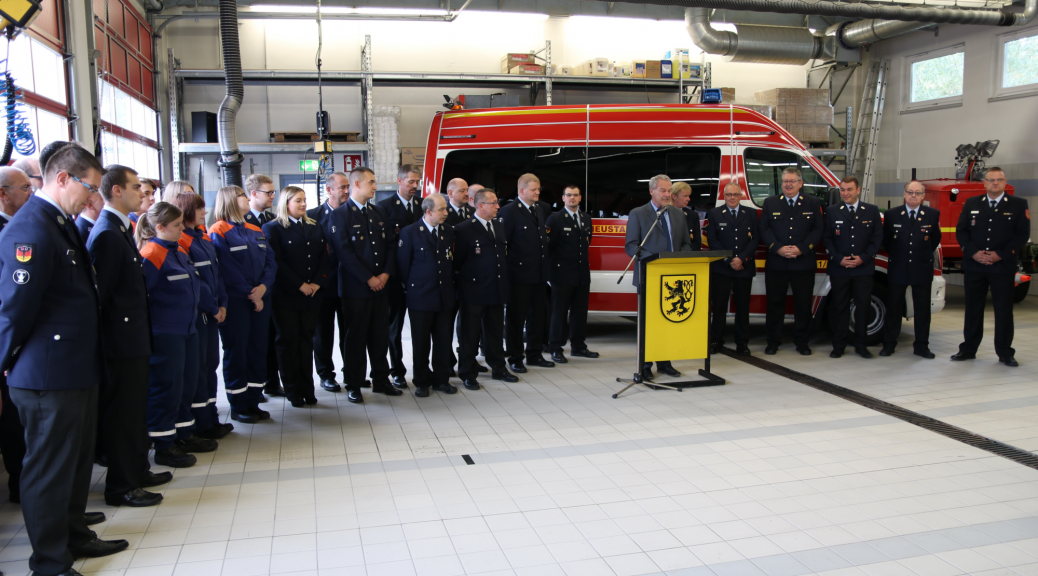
(764, 174)
(500, 169)
(935, 78)
(1016, 72)
(38, 69)
(618, 177)
(118, 150)
(130, 131)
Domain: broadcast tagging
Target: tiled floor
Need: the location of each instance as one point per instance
(762, 476)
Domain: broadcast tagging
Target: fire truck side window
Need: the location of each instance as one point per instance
(764, 174)
(618, 177)
(500, 169)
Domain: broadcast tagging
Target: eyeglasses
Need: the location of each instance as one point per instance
(738, 195)
(241, 196)
(91, 189)
(572, 195)
(22, 188)
(267, 192)
(790, 181)
(994, 180)
(494, 202)
(909, 193)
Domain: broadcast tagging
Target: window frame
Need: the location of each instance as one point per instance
(802, 164)
(937, 103)
(998, 92)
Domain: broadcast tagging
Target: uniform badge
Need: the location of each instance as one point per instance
(61, 221)
(23, 253)
(547, 229)
(333, 229)
(478, 250)
(925, 238)
(400, 243)
(122, 228)
(21, 276)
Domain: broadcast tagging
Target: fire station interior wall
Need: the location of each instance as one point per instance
(475, 42)
(926, 140)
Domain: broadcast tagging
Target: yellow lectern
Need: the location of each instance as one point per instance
(674, 314)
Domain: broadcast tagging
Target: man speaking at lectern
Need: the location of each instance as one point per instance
(670, 235)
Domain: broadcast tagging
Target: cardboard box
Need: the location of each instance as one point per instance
(511, 60)
(809, 114)
(728, 95)
(639, 70)
(652, 69)
(532, 69)
(666, 69)
(415, 156)
(793, 96)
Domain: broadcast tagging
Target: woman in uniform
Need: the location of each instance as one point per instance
(247, 267)
(302, 269)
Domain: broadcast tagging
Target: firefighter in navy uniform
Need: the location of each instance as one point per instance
(260, 189)
(991, 231)
(329, 316)
(681, 193)
(404, 208)
(853, 236)
(569, 236)
(363, 243)
(911, 233)
(458, 209)
(732, 227)
(791, 229)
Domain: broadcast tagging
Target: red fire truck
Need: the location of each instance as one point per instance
(611, 151)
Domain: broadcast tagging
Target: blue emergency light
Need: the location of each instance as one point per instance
(710, 96)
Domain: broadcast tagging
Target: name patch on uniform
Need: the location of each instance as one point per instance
(21, 276)
(236, 248)
(897, 225)
(177, 277)
(23, 253)
(202, 263)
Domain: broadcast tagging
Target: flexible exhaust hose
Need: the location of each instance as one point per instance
(230, 158)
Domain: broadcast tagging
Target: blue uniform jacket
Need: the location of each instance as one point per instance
(800, 226)
(365, 248)
(202, 253)
(399, 218)
(910, 245)
(527, 237)
(302, 257)
(119, 267)
(84, 226)
(860, 236)
(1003, 230)
(481, 264)
(738, 235)
(425, 265)
(568, 249)
(455, 217)
(173, 287)
(695, 235)
(50, 318)
(246, 261)
(322, 214)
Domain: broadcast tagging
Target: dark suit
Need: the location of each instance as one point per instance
(50, 344)
(425, 266)
(694, 235)
(570, 276)
(846, 235)
(364, 247)
(329, 315)
(738, 234)
(84, 227)
(1003, 230)
(910, 246)
(273, 381)
(527, 240)
(457, 216)
(399, 218)
(302, 257)
(481, 265)
(800, 226)
(126, 332)
(12, 434)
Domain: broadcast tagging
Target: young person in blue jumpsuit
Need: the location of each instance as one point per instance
(247, 266)
(173, 293)
(212, 310)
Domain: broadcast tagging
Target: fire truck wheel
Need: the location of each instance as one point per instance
(877, 315)
(1020, 292)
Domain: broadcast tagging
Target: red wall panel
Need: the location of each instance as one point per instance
(115, 17)
(145, 42)
(133, 73)
(132, 32)
(118, 62)
(147, 84)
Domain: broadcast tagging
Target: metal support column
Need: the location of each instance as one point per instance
(366, 86)
(546, 58)
(173, 82)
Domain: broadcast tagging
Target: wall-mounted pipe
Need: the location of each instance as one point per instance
(855, 34)
(757, 44)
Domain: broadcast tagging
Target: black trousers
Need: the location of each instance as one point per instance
(12, 440)
(295, 350)
(122, 428)
(329, 316)
(366, 336)
(977, 285)
(431, 332)
(526, 308)
(476, 319)
(921, 315)
(776, 284)
(571, 299)
(59, 436)
(843, 289)
(397, 311)
(721, 287)
(272, 357)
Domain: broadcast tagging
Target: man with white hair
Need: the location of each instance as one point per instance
(31, 168)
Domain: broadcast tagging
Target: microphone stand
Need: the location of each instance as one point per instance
(639, 250)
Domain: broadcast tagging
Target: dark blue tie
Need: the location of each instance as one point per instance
(666, 230)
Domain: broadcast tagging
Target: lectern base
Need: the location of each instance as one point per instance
(708, 380)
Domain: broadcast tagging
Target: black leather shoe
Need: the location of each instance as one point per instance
(473, 384)
(517, 367)
(886, 351)
(330, 385)
(355, 396)
(1011, 362)
(275, 390)
(445, 388)
(309, 400)
(804, 351)
(715, 348)
(297, 403)
(101, 460)
(585, 353)
(263, 414)
(743, 351)
(245, 416)
(540, 362)
(421, 391)
(960, 356)
(558, 358)
(668, 370)
(387, 390)
(97, 548)
(366, 384)
(480, 368)
(836, 354)
(174, 458)
(505, 376)
(151, 479)
(94, 518)
(925, 354)
(195, 444)
(863, 352)
(454, 373)
(647, 375)
(400, 382)
(216, 432)
(771, 350)
(135, 498)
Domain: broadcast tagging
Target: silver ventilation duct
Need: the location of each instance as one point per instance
(855, 34)
(230, 157)
(757, 44)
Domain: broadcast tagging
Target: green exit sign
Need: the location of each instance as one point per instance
(309, 165)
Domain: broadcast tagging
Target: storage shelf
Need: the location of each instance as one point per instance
(195, 148)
